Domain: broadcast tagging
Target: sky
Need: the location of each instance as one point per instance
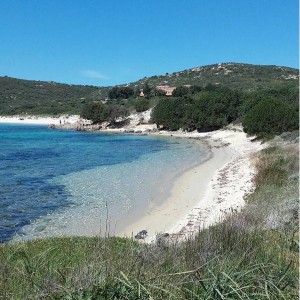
(112, 42)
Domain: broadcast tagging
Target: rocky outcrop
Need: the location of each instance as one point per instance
(80, 125)
(135, 123)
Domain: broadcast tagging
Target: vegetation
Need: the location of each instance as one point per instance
(37, 97)
(120, 92)
(141, 105)
(181, 91)
(98, 112)
(253, 254)
(245, 77)
(263, 113)
(270, 117)
(147, 90)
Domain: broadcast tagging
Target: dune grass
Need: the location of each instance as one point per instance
(253, 254)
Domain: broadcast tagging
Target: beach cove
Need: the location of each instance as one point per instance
(203, 194)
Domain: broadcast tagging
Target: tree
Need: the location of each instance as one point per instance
(147, 90)
(270, 117)
(205, 111)
(122, 92)
(98, 113)
(141, 105)
(181, 91)
(94, 112)
(194, 89)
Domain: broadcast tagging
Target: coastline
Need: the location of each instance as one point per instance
(202, 195)
(185, 193)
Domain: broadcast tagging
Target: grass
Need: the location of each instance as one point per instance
(253, 254)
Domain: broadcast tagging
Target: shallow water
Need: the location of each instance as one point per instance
(75, 183)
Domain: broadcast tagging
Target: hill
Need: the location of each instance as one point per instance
(18, 96)
(240, 76)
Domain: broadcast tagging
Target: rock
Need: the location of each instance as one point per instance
(162, 239)
(129, 130)
(141, 235)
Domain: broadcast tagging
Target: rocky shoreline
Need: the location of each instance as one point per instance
(135, 123)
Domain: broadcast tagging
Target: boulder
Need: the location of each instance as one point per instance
(141, 235)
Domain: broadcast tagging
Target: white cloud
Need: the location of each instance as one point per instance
(94, 74)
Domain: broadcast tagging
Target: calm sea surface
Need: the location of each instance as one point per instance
(66, 182)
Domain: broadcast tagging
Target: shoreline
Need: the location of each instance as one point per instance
(39, 120)
(203, 195)
(199, 197)
(183, 197)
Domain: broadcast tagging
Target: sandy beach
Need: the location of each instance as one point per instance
(39, 120)
(200, 197)
(206, 193)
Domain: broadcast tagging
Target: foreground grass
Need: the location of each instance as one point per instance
(251, 255)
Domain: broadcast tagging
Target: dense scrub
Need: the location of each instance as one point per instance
(263, 113)
(253, 254)
(98, 112)
(207, 110)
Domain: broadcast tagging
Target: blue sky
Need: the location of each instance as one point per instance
(118, 41)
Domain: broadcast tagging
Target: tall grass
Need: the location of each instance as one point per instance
(252, 254)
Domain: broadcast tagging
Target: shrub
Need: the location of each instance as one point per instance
(122, 92)
(141, 105)
(170, 113)
(204, 111)
(180, 91)
(94, 112)
(270, 117)
(98, 112)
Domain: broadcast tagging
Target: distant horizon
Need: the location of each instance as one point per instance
(149, 76)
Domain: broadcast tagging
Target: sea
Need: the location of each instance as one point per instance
(64, 183)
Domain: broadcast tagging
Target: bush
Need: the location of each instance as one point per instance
(271, 116)
(181, 91)
(94, 112)
(141, 105)
(170, 113)
(122, 92)
(205, 111)
(98, 112)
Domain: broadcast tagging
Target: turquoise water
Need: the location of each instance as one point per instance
(74, 183)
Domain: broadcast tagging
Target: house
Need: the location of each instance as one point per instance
(168, 89)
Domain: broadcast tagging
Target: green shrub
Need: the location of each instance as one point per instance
(270, 117)
(121, 92)
(181, 91)
(94, 112)
(141, 105)
(205, 111)
(98, 112)
(170, 113)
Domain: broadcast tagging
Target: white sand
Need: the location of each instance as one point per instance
(39, 120)
(203, 195)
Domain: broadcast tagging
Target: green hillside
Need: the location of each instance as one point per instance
(232, 75)
(19, 96)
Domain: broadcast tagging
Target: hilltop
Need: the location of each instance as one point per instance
(18, 96)
(240, 76)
